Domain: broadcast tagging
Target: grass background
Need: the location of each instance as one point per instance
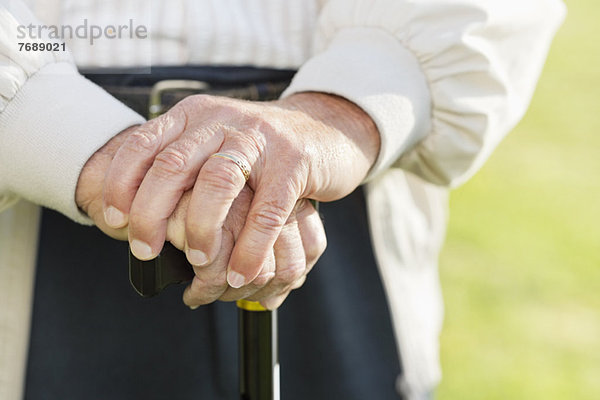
(521, 266)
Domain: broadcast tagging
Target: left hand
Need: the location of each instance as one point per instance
(88, 194)
(309, 145)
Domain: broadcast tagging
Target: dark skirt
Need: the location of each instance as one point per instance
(93, 337)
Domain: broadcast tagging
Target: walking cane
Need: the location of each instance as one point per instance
(257, 331)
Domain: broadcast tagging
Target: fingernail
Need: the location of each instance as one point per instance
(194, 307)
(114, 217)
(141, 250)
(197, 257)
(235, 280)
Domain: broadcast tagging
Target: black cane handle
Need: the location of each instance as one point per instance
(149, 278)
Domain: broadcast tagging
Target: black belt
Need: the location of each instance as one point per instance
(135, 87)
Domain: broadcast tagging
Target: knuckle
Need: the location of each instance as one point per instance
(275, 301)
(231, 295)
(192, 229)
(217, 281)
(224, 176)
(203, 292)
(143, 140)
(254, 141)
(141, 220)
(298, 283)
(201, 98)
(202, 233)
(302, 207)
(268, 218)
(254, 297)
(196, 231)
(262, 293)
(117, 189)
(236, 294)
(291, 272)
(171, 161)
(262, 279)
(195, 101)
(210, 280)
(177, 113)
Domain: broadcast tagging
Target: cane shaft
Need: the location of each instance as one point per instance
(259, 362)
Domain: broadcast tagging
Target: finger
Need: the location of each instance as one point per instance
(274, 302)
(312, 232)
(218, 184)
(314, 242)
(205, 290)
(290, 260)
(210, 282)
(173, 171)
(133, 159)
(266, 275)
(271, 207)
(176, 222)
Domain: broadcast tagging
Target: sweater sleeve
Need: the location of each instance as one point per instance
(52, 119)
(444, 80)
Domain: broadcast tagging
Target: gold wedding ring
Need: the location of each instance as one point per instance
(244, 167)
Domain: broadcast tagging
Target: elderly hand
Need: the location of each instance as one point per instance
(88, 194)
(296, 250)
(309, 145)
(298, 247)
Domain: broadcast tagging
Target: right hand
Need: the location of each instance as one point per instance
(297, 249)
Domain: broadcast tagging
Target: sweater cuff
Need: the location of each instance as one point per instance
(49, 130)
(372, 69)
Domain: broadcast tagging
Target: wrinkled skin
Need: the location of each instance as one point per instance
(255, 239)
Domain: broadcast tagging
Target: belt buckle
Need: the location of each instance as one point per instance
(156, 106)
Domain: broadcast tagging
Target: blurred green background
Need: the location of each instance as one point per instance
(521, 266)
